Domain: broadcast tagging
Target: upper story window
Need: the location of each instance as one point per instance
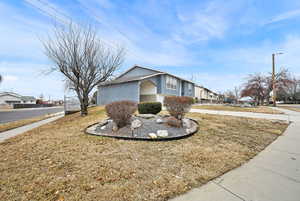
(190, 87)
(171, 82)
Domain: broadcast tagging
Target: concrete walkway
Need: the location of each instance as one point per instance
(244, 114)
(273, 175)
(13, 132)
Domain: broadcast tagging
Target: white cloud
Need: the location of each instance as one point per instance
(200, 27)
(9, 78)
(285, 16)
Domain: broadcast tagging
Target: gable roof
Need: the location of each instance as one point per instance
(5, 93)
(119, 79)
(130, 79)
(136, 66)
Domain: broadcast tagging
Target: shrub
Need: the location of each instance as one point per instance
(172, 121)
(121, 111)
(149, 107)
(178, 106)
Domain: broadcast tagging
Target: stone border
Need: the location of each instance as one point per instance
(142, 138)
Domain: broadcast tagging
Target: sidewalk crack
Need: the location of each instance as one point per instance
(229, 191)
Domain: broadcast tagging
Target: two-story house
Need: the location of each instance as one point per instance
(141, 84)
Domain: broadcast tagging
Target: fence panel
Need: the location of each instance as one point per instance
(71, 104)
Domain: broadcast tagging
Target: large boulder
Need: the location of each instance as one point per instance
(152, 135)
(162, 133)
(136, 124)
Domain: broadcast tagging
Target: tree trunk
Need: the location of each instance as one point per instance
(84, 105)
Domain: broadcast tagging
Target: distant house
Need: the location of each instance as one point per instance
(28, 99)
(10, 98)
(141, 84)
(204, 95)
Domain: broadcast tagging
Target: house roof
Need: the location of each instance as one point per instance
(119, 79)
(136, 66)
(5, 93)
(129, 79)
(28, 98)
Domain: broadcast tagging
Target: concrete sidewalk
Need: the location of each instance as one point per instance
(13, 132)
(273, 175)
(244, 114)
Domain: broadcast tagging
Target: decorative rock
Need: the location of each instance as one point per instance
(162, 133)
(192, 129)
(187, 122)
(146, 116)
(114, 127)
(159, 121)
(152, 135)
(136, 124)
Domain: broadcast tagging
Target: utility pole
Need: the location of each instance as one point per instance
(273, 80)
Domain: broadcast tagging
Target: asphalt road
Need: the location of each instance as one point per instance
(19, 114)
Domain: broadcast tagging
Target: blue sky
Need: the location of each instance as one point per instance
(217, 43)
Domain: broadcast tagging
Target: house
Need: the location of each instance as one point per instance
(10, 98)
(142, 84)
(204, 95)
(28, 99)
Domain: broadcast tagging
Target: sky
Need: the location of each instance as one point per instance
(215, 43)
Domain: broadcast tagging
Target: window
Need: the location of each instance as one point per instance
(171, 82)
(190, 87)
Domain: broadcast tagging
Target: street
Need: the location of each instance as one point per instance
(19, 114)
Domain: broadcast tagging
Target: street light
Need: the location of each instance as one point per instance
(273, 77)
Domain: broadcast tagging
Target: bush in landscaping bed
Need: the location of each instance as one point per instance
(149, 107)
(178, 106)
(121, 111)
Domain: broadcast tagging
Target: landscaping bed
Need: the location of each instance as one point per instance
(58, 161)
(258, 109)
(145, 127)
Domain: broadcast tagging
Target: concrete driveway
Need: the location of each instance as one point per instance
(273, 175)
(19, 114)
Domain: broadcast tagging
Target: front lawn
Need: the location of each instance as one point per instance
(259, 109)
(59, 162)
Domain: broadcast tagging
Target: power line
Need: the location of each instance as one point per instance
(56, 18)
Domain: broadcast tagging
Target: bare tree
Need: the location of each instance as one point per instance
(237, 93)
(256, 87)
(82, 58)
(0, 78)
(282, 81)
(292, 90)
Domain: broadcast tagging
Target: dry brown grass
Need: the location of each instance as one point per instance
(16, 124)
(260, 109)
(59, 162)
(290, 108)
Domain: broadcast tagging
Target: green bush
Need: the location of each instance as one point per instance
(149, 107)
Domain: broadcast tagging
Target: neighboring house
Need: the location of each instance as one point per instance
(205, 95)
(141, 84)
(10, 98)
(28, 99)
